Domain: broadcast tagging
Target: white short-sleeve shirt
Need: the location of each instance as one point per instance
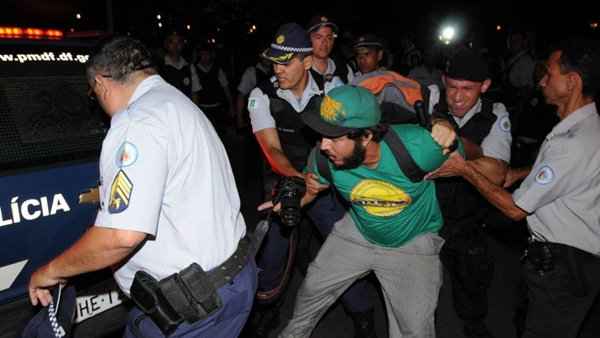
(259, 103)
(562, 191)
(164, 172)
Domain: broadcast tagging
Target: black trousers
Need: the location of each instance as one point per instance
(466, 258)
(563, 293)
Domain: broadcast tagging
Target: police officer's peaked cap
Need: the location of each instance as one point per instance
(367, 41)
(291, 39)
(55, 320)
(319, 21)
(467, 64)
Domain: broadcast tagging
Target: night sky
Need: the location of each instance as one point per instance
(229, 20)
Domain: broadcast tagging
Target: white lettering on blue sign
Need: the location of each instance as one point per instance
(32, 209)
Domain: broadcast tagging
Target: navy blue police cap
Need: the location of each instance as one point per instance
(319, 21)
(467, 64)
(291, 39)
(55, 320)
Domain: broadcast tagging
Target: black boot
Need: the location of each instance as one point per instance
(364, 324)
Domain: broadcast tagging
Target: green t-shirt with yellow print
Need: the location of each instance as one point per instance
(389, 209)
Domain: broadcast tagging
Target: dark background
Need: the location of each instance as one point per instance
(229, 21)
(419, 19)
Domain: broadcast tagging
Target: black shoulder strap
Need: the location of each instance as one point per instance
(441, 106)
(322, 165)
(319, 79)
(341, 70)
(268, 88)
(406, 163)
(487, 107)
(426, 94)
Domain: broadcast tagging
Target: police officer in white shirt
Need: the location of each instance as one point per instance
(176, 70)
(253, 75)
(323, 33)
(559, 198)
(169, 217)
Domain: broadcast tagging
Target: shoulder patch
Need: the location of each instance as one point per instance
(252, 103)
(120, 193)
(545, 175)
(505, 124)
(126, 155)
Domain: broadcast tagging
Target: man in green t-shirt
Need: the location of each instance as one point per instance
(391, 226)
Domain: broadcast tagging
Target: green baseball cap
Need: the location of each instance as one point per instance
(343, 110)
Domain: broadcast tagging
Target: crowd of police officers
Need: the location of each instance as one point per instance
(492, 113)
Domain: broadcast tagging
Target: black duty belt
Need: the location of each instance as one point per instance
(225, 272)
(189, 295)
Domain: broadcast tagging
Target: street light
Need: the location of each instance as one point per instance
(158, 17)
(447, 34)
(78, 16)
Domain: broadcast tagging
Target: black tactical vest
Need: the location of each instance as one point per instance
(296, 138)
(459, 200)
(341, 71)
(211, 92)
(179, 78)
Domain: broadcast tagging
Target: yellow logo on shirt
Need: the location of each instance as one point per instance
(120, 193)
(380, 198)
(280, 39)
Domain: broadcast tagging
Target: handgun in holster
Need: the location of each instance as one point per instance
(187, 296)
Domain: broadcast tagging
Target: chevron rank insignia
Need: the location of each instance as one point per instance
(120, 192)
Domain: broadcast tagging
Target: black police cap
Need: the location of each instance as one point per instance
(466, 64)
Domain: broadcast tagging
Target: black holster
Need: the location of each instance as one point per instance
(185, 296)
